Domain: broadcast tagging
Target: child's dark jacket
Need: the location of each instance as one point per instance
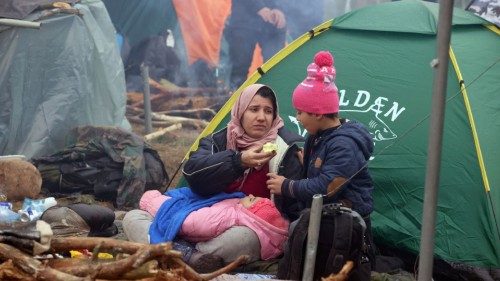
(336, 152)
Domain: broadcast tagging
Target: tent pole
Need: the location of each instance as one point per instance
(20, 23)
(312, 237)
(435, 141)
(147, 99)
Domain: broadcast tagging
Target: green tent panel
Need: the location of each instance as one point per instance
(382, 56)
(138, 20)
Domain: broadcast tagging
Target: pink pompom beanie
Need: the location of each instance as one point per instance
(318, 93)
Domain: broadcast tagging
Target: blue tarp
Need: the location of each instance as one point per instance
(68, 73)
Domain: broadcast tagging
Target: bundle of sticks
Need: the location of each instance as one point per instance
(131, 261)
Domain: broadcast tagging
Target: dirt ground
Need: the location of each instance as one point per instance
(172, 147)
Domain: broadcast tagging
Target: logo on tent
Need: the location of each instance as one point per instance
(370, 113)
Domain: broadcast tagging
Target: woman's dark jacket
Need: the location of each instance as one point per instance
(212, 168)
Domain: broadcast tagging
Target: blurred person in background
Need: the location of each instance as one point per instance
(305, 14)
(253, 22)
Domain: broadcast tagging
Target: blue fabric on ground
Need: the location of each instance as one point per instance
(173, 212)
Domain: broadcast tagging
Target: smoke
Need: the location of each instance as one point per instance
(202, 68)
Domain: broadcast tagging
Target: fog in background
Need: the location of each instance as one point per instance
(301, 16)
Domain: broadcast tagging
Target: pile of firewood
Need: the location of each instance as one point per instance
(172, 105)
(131, 261)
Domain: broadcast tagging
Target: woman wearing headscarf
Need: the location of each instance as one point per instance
(230, 160)
(233, 158)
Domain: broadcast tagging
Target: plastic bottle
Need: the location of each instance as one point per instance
(33, 208)
(6, 213)
(170, 40)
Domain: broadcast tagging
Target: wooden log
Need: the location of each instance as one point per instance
(34, 267)
(65, 244)
(115, 269)
(148, 269)
(198, 113)
(181, 91)
(8, 271)
(140, 254)
(186, 122)
(162, 132)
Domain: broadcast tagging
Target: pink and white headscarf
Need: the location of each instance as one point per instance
(237, 138)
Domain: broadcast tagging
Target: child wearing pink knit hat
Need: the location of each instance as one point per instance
(336, 152)
(318, 93)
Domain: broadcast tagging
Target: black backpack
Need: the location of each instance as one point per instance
(341, 238)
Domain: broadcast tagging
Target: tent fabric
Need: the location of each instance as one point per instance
(421, 17)
(138, 19)
(66, 74)
(191, 21)
(382, 55)
(202, 23)
(20, 9)
(199, 21)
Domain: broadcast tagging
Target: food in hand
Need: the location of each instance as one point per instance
(268, 147)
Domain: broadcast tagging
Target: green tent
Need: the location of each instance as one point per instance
(382, 56)
(138, 20)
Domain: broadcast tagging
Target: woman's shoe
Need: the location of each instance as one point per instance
(205, 263)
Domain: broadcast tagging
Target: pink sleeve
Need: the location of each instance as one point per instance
(209, 222)
(151, 201)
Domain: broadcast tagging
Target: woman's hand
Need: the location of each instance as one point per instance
(274, 183)
(255, 157)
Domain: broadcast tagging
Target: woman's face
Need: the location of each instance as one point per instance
(249, 201)
(258, 117)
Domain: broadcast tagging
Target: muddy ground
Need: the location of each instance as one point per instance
(172, 147)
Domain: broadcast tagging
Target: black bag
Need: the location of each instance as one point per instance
(95, 173)
(341, 238)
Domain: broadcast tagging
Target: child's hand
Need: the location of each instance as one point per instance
(274, 183)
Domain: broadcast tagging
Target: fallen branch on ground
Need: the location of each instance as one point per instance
(198, 113)
(132, 261)
(166, 121)
(33, 266)
(162, 132)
